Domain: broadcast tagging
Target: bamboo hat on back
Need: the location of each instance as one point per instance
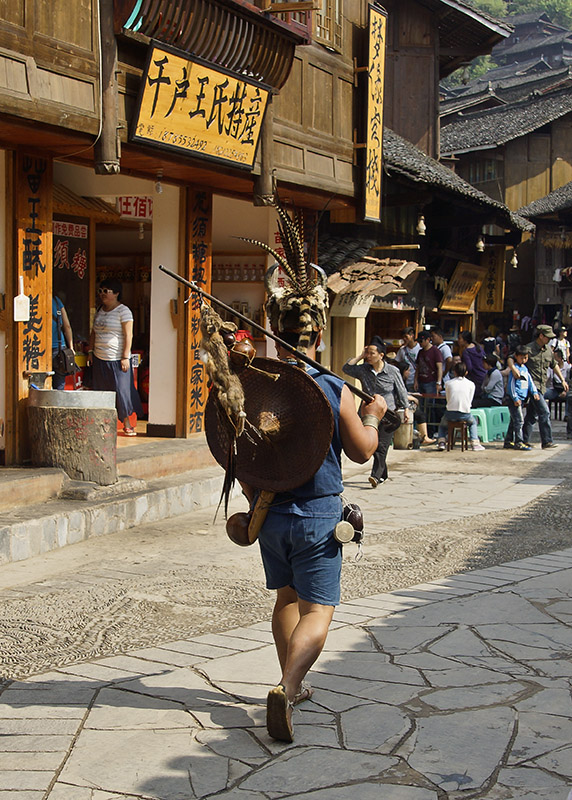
(273, 451)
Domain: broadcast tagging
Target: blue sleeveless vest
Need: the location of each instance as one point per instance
(327, 482)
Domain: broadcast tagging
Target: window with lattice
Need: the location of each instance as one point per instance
(328, 23)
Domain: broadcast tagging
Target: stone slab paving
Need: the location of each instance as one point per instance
(457, 688)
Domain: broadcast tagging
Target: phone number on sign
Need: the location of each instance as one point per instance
(181, 140)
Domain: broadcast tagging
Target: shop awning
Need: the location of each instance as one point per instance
(375, 277)
(67, 202)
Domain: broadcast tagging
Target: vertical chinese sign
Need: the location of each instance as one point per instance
(32, 338)
(491, 294)
(71, 276)
(198, 269)
(374, 121)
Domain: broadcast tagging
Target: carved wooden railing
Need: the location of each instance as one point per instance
(232, 33)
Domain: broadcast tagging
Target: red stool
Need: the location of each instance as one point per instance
(461, 426)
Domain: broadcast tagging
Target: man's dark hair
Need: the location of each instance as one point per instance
(460, 369)
(492, 361)
(521, 350)
(409, 330)
(380, 346)
(439, 332)
(378, 342)
(423, 335)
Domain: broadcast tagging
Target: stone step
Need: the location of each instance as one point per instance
(87, 510)
(20, 486)
(157, 459)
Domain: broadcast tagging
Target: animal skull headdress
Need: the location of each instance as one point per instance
(299, 299)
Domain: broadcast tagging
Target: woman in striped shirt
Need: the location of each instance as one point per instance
(110, 352)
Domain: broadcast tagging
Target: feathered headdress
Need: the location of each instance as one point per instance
(298, 301)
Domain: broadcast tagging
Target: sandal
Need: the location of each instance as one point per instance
(129, 432)
(305, 692)
(279, 715)
(427, 440)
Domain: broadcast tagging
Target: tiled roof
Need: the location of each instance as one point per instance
(558, 200)
(377, 277)
(511, 87)
(496, 126)
(537, 42)
(334, 252)
(404, 159)
(465, 29)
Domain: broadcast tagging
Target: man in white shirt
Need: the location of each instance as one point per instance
(459, 392)
(408, 353)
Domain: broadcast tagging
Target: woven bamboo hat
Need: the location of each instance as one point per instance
(288, 430)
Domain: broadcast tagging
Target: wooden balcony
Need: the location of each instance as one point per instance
(230, 33)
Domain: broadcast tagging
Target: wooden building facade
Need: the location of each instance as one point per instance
(172, 129)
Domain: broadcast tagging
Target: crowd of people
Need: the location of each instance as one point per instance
(492, 370)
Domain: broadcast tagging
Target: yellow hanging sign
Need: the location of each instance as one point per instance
(374, 122)
(189, 107)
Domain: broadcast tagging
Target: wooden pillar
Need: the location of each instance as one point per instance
(196, 226)
(348, 337)
(30, 341)
(106, 149)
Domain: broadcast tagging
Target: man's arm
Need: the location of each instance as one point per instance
(352, 362)
(358, 440)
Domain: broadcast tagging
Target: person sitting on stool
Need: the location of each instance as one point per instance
(459, 392)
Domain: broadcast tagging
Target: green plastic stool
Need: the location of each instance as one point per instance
(498, 418)
(482, 426)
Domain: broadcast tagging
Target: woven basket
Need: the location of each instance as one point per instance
(288, 431)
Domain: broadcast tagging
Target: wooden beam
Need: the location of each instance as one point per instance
(303, 5)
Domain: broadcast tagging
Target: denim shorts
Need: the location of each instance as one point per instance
(301, 552)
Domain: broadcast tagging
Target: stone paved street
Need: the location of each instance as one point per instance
(149, 653)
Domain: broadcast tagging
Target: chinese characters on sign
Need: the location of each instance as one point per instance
(135, 207)
(351, 305)
(34, 260)
(200, 257)
(491, 295)
(196, 109)
(374, 142)
(71, 246)
(463, 287)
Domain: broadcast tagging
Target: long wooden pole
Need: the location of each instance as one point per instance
(390, 420)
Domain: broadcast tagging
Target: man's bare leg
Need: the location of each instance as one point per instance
(300, 629)
(285, 617)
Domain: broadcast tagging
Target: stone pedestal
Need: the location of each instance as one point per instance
(76, 431)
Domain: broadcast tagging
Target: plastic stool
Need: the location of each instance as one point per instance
(481, 418)
(498, 418)
(462, 426)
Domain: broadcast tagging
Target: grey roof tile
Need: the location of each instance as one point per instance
(496, 126)
(558, 200)
(403, 158)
